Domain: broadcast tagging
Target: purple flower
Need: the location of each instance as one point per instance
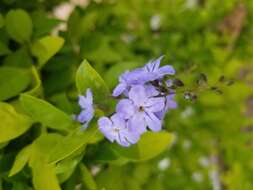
(86, 104)
(140, 76)
(157, 71)
(170, 103)
(141, 107)
(129, 78)
(116, 129)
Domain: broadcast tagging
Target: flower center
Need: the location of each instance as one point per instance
(141, 109)
(116, 129)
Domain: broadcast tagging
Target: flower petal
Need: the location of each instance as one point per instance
(167, 70)
(137, 124)
(83, 102)
(118, 121)
(151, 90)
(120, 88)
(155, 104)
(89, 96)
(105, 126)
(132, 135)
(125, 108)
(138, 95)
(153, 122)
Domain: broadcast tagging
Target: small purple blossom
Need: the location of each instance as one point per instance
(116, 129)
(170, 104)
(87, 110)
(157, 71)
(141, 107)
(148, 97)
(150, 72)
(129, 78)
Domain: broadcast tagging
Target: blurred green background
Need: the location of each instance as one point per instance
(213, 148)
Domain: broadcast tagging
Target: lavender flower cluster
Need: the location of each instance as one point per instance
(143, 105)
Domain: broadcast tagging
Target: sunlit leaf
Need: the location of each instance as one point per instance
(150, 145)
(21, 160)
(12, 123)
(46, 47)
(13, 81)
(87, 77)
(44, 112)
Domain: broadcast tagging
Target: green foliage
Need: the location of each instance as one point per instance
(87, 77)
(157, 143)
(13, 124)
(42, 72)
(19, 25)
(13, 81)
(47, 114)
(46, 47)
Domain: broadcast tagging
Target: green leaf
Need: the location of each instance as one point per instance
(111, 178)
(87, 178)
(4, 50)
(19, 25)
(65, 168)
(21, 160)
(12, 82)
(44, 175)
(156, 143)
(19, 58)
(36, 88)
(87, 77)
(46, 47)
(44, 112)
(12, 123)
(72, 143)
(17, 185)
(1, 20)
(42, 22)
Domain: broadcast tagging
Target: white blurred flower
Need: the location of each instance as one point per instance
(190, 4)
(204, 161)
(63, 11)
(215, 179)
(155, 22)
(197, 176)
(187, 144)
(164, 164)
(187, 112)
(127, 38)
(95, 170)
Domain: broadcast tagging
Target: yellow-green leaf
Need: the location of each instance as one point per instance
(13, 81)
(46, 47)
(20, 160)
(87, 77)
(19, 25)
(44, 112)
(87, 178)
(150, 145)
(12, 123)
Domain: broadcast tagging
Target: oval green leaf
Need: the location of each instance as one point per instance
(87, 77)
(150, 145)
(72, 143)
(87, 178)
(12, 123)
(13, 81)
(19, 25)
(46, 47)
(20, 160)
(44, 112)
